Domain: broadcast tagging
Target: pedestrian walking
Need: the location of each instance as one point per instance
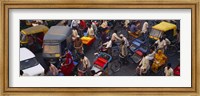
(123, 53)
(168, 70)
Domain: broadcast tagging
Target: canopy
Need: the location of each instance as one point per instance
(164, 26)
(58, 33)
(35, 29)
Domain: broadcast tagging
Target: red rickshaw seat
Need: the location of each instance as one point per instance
(101, 62)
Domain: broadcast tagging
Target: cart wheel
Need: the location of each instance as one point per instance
(171, 50)
(115, 67)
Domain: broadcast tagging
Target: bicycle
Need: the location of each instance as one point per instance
(173, 48)
(115, 66)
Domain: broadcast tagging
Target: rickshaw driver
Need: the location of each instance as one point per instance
(160, 44)
(143, 66)
(115, 38)
(86, 65)
(125, 40)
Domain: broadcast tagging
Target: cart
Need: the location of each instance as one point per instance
(87, 41)
(137, 56)
(136, 43)
(101, 62)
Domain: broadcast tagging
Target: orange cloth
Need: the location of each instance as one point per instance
(159, 60)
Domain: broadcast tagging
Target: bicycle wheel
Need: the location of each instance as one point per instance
(171, 50)
(115, 67)
(115, 53)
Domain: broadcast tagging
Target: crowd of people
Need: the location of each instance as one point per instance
(105, 31)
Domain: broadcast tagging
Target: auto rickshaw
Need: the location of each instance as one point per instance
(55, 41)
(32, 37)
(163, 28)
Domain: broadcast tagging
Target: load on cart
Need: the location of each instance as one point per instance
(137, 48)
(101, 62)
(87, 41)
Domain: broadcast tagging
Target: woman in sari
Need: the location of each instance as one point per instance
(159, 60)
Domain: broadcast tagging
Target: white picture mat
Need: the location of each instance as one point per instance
(184, 15)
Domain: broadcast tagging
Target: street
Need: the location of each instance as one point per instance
(125, 69)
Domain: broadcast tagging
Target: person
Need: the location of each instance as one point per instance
(107, 46)
(168, 70)
(134, 28)
(143, 66)
(104, 25)
(74, 23)
(159, 60)
(85, 61)
(115, 37)
(51, 70)
(74, 34)
(68, 65)
(78, 45)
(125, 40)
(40, 22)
(167, 42)
(144, 29)
(83, 25)
(90, 31)
(151, 55)
(34, 23)
(67, 52)
(104, 37)
(126, 24)
(123, 52)
(161, 43)
(94, 26)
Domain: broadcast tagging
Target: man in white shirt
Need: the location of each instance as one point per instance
(34, 23)
(126, 23)
(108, 46)
(167, 42)
(144, 27)
(144, 30)
(168, 70)
(123, 53)
(125, 40)
(85, 61)
(74, 34)
(161, 43)
(143, 66)
(94, 27)
(90, 31)
(150, 56)
(115, 37)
